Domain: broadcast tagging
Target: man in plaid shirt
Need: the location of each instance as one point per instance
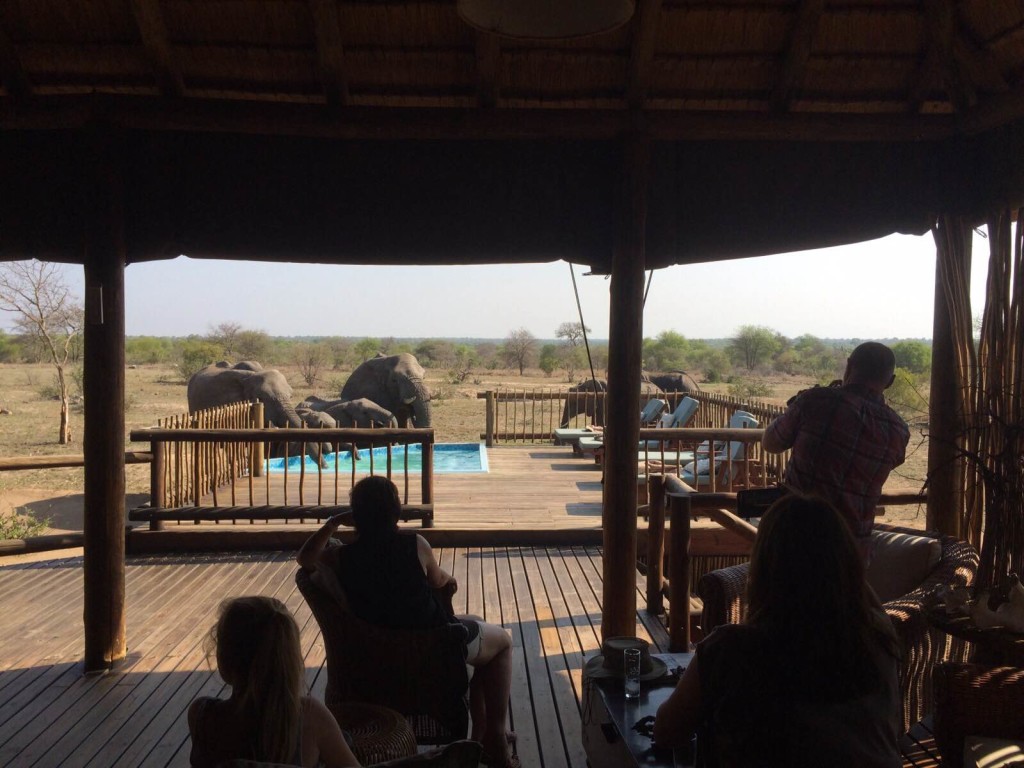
(845, 439)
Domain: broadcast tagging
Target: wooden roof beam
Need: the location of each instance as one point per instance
(488, 69)
(150, 23)
(645, 32)
(330, 52)
(940, 63)
(12, 75)
(148, 113)
(798, 51)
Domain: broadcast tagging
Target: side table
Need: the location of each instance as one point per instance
(378, 733)
(992, 646)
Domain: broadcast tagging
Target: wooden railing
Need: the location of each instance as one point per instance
(190, 469)
(186, 462)
(531, 415)
(676, 503)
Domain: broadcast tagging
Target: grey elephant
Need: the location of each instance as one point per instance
(222, 384)
(581, 399)
(673, 381)
(360, 413)
(394, 382)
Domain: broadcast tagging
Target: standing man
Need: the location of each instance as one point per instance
(845, 439)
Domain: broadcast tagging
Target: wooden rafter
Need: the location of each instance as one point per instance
(12, 75)
(488, 63)
(645, 31)
(939, 64)
(270, 118)
(978, 64)
(329, 51)
(150, 23)
(798, 51)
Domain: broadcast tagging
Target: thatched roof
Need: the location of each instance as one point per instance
(373, 130)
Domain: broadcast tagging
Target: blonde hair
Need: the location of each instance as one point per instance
(260, 657)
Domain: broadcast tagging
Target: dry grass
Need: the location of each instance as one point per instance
(153, 392)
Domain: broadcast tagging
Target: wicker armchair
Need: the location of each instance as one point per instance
(924, 646)
(974, 700)
(419, 673)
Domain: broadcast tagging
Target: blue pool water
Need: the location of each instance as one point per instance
(448, 458)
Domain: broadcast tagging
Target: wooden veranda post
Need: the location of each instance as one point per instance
(622, 429)
(945, 480)
(103, 385)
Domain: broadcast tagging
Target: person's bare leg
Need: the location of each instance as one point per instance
(493, 679)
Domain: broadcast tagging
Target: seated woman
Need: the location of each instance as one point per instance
(267, 717)
(389, 579)
(811, 678)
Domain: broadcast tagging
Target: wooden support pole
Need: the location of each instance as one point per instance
(945, 492)
(655, 544)
(103, 384)
(157, 482)
(622, 433)
(491, 409)
(679, 573)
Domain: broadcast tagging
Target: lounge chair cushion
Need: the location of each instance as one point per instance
(900, 562)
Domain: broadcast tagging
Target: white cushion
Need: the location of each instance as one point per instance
(984, 752)
(900, 562)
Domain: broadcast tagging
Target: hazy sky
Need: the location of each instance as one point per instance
(879, 289)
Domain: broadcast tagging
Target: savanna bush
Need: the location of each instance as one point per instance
(908, 395)
(747, 389)
(20, 525)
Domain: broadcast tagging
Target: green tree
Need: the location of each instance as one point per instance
(195, 353)
(668, 351)
(365, 349)
(252, 345)
(142, 350)
(458, 367)
(913, 355)
(753, 345)
(8, 349)
(548, 359)
(519, 349)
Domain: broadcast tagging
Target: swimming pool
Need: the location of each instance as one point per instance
(448, 458)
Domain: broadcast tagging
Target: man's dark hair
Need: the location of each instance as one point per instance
(376, 506)
(873, 362)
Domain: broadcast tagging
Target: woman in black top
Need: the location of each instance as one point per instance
(389, 578)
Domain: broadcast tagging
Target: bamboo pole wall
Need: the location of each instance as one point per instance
(990, 368)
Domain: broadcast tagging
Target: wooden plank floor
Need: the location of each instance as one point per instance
(53, 715)
(527, 486)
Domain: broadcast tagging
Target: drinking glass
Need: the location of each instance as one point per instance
(631, 667)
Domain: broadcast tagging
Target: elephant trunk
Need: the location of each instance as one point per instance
(285, 412)
(421, 413)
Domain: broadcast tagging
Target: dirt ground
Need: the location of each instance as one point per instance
(152, 392)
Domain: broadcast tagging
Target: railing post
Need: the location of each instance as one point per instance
(679, 574)
(655, 543)
(257, 451)
(427, 478)
(489, 404)
(157, 483)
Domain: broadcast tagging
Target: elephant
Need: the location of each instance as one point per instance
(588, 404)
(673, 381)
(360, 413)
(222, 383)
(394, 382)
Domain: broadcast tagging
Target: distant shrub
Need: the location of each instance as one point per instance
(20, 525)
(907, 395)
(746, 389)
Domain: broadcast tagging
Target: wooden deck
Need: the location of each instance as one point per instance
(52, 715)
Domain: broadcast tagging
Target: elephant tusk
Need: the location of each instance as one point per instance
(409, 400)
